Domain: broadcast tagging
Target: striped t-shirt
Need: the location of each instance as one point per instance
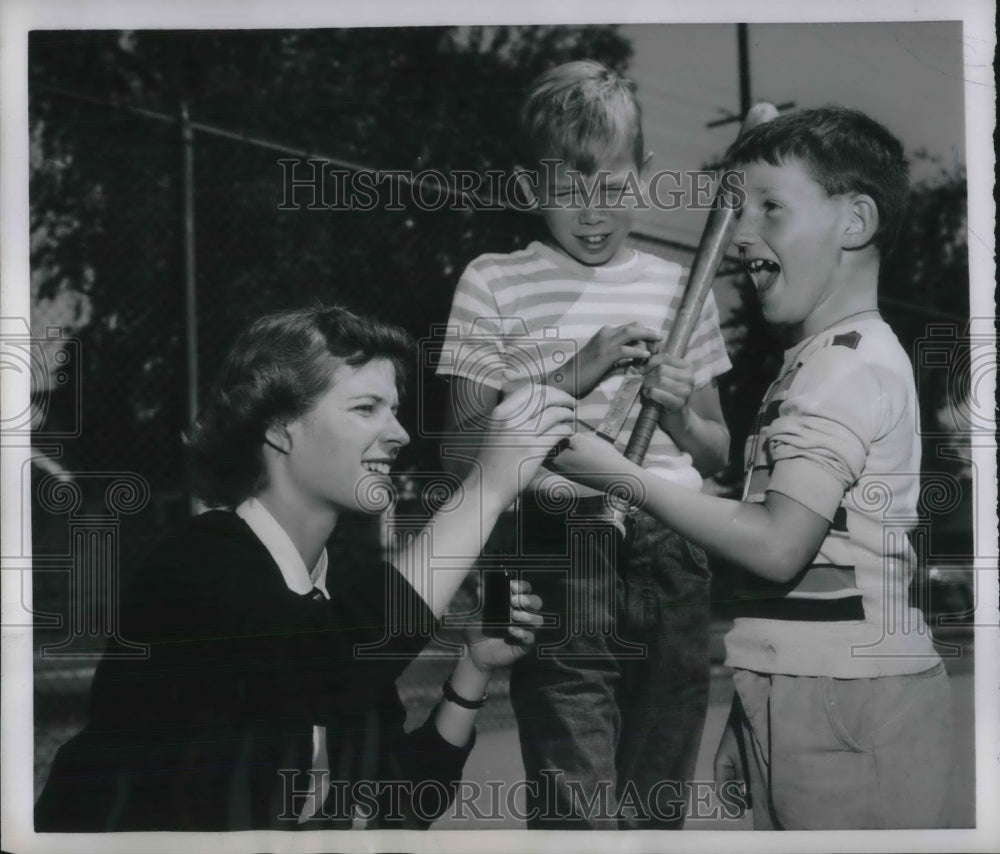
(837, 432)
(520, 316)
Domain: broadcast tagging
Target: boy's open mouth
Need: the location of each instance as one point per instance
(376, 466)
(594, 241)
(762, 273)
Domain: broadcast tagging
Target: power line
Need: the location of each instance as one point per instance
(284, 148)
(743, 71)
(731, 268)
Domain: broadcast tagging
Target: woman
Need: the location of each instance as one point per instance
(267, 698)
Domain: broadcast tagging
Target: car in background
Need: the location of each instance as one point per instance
(946, 587)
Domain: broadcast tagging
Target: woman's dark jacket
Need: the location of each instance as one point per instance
(239, 669)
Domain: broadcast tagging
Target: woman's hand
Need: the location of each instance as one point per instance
(488, 653)
(523, 428)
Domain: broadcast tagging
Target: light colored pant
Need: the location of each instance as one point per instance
(829, 753)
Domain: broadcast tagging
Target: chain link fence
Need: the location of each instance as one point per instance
(186, 237)
(182, 239)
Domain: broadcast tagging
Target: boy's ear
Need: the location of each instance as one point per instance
(862, 221)
(276, 436)
(525, 186)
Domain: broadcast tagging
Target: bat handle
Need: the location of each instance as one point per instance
(711, 248)
(642, 433)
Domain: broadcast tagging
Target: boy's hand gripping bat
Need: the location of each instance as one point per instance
(715, 240)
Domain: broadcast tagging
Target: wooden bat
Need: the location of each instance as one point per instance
(715, 240)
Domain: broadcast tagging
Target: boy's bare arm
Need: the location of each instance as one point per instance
(467, 405)
(700, 430)
(692, 416)
(775, 540)
(609, 347)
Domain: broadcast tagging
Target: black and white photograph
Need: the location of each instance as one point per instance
(459, 428)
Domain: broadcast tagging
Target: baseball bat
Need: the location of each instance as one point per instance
(711, 250)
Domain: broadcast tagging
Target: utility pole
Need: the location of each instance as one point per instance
(743, 60)
(743, 69)
(188, 249)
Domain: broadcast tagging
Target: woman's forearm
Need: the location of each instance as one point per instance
(455, 722)
(436, 560)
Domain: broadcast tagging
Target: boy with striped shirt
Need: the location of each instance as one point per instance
(610, 712)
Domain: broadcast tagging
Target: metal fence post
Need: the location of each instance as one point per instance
(190, 288)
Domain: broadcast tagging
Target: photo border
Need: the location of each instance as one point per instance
(21, 16)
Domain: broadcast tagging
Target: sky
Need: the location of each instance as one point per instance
(906, 74)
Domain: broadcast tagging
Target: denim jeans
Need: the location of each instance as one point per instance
(850, 754)
(611, 703)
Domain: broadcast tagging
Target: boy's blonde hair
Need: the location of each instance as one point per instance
(581, 113)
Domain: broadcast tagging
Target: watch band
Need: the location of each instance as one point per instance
(452, 696)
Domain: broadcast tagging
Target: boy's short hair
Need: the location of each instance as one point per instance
(275, 372)
(846, 151)
(581, 113)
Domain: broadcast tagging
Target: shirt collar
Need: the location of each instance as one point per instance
(268, 530)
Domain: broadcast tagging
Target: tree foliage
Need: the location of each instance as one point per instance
(108, 180)
(106, 208)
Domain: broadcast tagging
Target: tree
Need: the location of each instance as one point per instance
(403, 98)
(925, 284)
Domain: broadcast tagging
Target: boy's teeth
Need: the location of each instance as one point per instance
(762, 272)
(595, 240)
(378, 468)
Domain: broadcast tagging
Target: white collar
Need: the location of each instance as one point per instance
(276, 540)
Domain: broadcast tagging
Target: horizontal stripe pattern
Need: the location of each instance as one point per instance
(849, 608)
(826, 579)
(845, 616)
(537, 309)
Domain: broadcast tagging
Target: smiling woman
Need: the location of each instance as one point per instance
(253, 707)
(316, 461)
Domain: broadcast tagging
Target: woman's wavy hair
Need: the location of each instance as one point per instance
(275, 372)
